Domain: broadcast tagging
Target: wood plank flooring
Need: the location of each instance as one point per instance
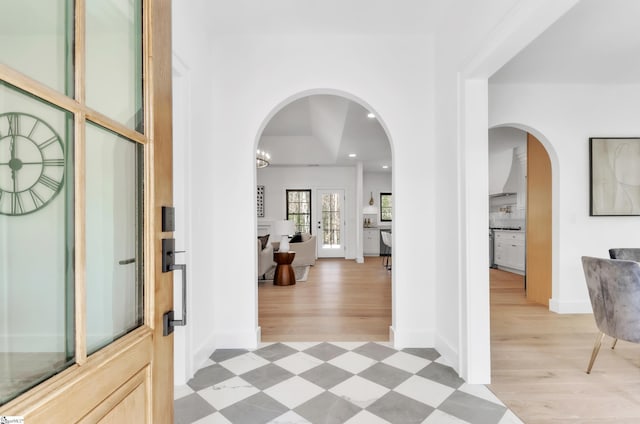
(539, 360)
(340, 301)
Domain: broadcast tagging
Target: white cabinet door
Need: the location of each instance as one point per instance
(371, 244)
(509, 249)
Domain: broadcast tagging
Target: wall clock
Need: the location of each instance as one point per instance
(32, 163)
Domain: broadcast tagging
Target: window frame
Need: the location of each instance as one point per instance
(389, 208)
(287, 214)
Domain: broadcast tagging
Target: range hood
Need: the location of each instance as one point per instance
(496, 195)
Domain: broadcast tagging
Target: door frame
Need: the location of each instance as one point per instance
(317, 212)
(135, 372)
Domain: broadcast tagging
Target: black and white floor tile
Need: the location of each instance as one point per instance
(339, 382)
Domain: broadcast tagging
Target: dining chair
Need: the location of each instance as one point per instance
(614, 291)
(386, 240)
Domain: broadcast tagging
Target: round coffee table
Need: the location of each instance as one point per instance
(284, 275)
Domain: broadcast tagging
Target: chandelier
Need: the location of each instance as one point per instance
(262, 159)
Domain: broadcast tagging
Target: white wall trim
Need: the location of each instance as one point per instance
(411, 338)
(449, 354)
(570, 306)
(204, 352)
(237, 339)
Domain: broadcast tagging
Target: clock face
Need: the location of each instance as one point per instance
(31, 163)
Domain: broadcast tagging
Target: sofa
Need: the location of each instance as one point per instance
(265, 257)
(306, 249)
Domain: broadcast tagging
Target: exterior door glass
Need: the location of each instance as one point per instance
(113, 236)
(331, 221)
(114, 60)
(36, 38)
(36, 241)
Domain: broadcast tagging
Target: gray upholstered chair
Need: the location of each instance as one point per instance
(627, 254)
(614, 290)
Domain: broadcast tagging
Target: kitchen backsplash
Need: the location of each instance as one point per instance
(514, 218)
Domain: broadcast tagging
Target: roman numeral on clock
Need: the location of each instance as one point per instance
(49, 182)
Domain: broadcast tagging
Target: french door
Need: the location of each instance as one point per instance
(330, 218)
(85, 165)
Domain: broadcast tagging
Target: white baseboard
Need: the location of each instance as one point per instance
(450, 356)
(226, 340)
(204, 352)
(401, 339)
(570, 307)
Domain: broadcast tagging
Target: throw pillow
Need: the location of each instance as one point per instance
(297, 238)
(263, 240)
(306, 236)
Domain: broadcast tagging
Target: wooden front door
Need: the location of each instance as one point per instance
(85, 167)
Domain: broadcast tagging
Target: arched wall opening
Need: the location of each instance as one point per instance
(554, 207)
(354, 202)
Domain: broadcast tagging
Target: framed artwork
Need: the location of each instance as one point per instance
(260, 200)
(614, 176)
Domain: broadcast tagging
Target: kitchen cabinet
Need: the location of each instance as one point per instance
(371, 244)
(509, 249)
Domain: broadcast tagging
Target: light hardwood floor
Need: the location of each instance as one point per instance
(340, 301)
(539, 360)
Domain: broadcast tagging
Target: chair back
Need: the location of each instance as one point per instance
(614, 290)
(386, 238)
(628, 254)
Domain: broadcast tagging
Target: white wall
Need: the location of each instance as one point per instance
(253, 76)
(440, 172)
(376, 183)
(193, 100)
(277, 180)
(563, 118)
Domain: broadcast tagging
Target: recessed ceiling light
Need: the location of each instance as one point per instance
(370, 115)
(352, 155)
(385, 166)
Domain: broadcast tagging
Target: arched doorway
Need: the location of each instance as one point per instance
(523, 207)
(329, 155)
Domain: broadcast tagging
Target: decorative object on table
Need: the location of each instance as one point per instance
(260, 201)
(614, 176)
(262, 159)
(32, 158)
(283, 228)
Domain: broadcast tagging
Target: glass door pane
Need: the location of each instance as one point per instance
(113, 235)
(36, 38)
(331, 223)
(114, 60)
(36, 241)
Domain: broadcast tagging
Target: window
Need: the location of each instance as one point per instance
(299, 209)
(386, 206)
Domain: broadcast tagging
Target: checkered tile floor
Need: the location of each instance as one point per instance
(340, 382)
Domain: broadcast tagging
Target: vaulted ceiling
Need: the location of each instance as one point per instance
(596, 42)
(325, 130)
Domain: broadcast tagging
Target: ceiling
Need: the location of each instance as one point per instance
(596, 42)
(326, 17)
(324, 130)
